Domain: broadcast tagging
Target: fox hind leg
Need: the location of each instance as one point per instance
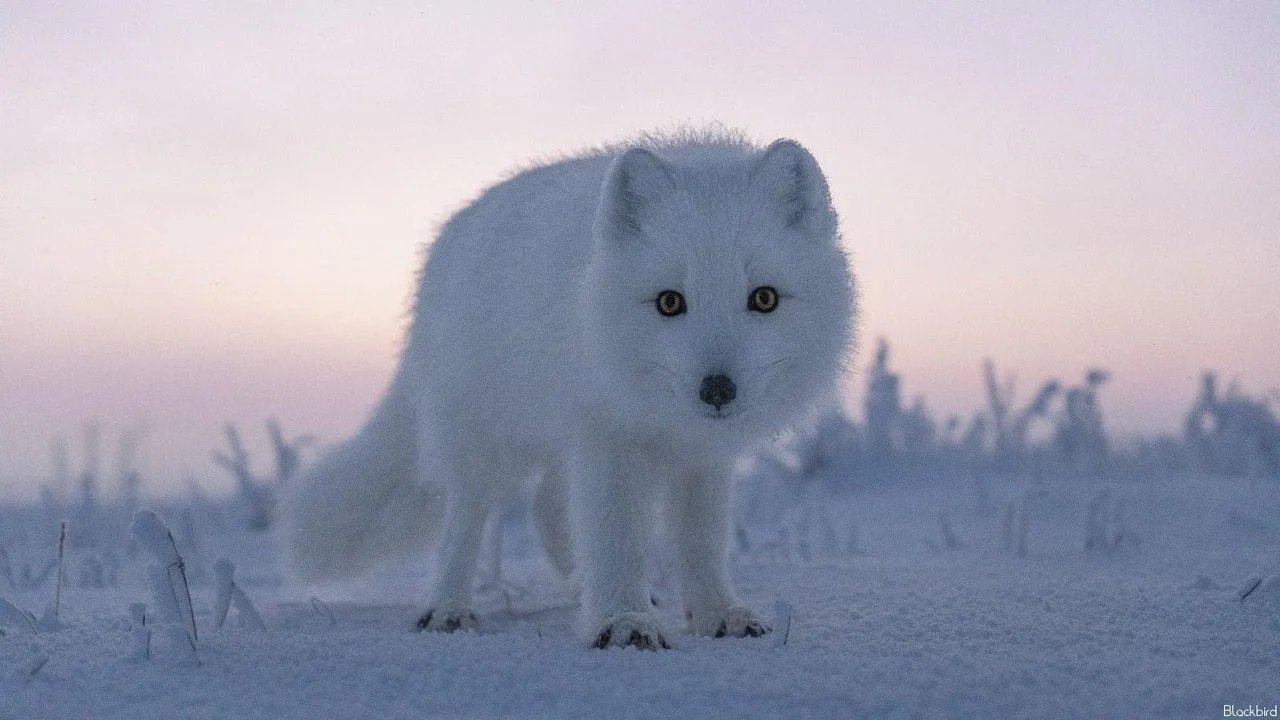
(472, 501)
(551, 519)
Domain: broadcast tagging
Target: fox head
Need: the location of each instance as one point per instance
(717, 291)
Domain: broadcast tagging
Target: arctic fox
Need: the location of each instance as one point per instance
(621, 325)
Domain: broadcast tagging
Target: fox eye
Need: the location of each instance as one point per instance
(763, 299)
(670, 303)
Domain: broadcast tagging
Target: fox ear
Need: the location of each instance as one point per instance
(791, 179)
(637, 180)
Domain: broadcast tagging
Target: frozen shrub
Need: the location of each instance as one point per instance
(85, 515)
(167, 577)
(1010, 429)
(256, 497)
(1080, 436)
(883, 407)
(1105, 529)
(1232, 433)
(228, 594)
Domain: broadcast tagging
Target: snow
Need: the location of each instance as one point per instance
(1155, 629)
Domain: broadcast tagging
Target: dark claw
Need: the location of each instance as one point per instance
(636, 639)
(424, 621)
(752, 630)
(644, 642)
(603, 641)
(450, 625)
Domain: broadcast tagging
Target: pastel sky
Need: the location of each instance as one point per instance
(213, 211)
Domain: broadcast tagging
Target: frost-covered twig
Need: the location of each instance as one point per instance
(57, 584)
(11, 614)
(323, 608)
(1122, 536)
(223, 581)
(35, 665)
(1262, 593)
(1249, 586)
(782, 622)
(1022, 531)
(852, 545)
(228, 593)
(288, 452)
(1096, 531)
(168, 578)
(949, 539)
(1007, 521)
(1105, 530)
(50, 619)
(85, 512)
(141, 648)
(999, 398)
(6, 568)
(190, 548)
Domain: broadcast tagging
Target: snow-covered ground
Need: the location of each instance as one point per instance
(893, 617)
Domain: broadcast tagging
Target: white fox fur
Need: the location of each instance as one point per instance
(537, 350)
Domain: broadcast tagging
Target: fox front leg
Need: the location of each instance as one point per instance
(614, 511)
(698, 515)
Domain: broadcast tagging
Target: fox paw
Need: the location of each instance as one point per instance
(639, 630)
(442, 620)
(734, 621)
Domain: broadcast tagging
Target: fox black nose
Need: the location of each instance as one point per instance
(717, 390)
